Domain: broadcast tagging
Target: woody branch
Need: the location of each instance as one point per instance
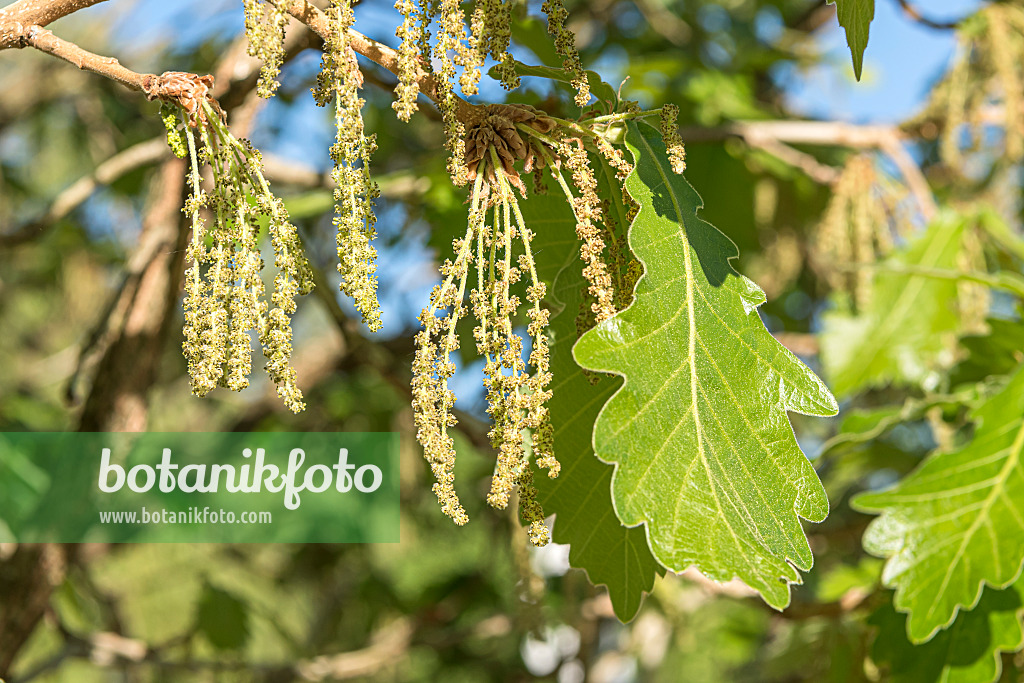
(22, 25)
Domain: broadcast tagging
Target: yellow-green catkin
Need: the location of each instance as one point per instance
(987, 76)
(449, 49)
(587, 209)
(409, 33)
(538, 417)
(354, 191)
(497, 247)
(505, 370)
(863, 239)
(432, 400)
(491, 34)
(973, 299)
(673, 141)
(224, 292)
(531, 511)
(854, 231)
(565, 45)
(1007, 50)
(175, 138)
(264, 26)
(956, 103)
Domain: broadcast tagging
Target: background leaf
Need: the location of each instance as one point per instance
(223, 619)
(600, 89)
(580, 497)
(910, 325)
(966, 652)
(704, 452)
(957, 521)
(855, 17)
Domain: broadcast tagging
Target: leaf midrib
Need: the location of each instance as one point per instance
(692, 337)
(1012, 461)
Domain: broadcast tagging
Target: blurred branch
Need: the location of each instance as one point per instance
(385, 648)
(912, 13)
(773, 136)
(27, 579)
(812, 18)
(398, 185)
(1007, 281)
(68, 200)
(665, 22)
(815, 170)
(18, 17)
(107, 649)
(129, 341)
(800, 343)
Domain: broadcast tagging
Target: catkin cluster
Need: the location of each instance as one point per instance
(410, 34)
(496, 249)
(354, 190)
(490, 35)
(565, 44)
(225, 298)
(264, 28)
(492, 273)
(855, 229)
(987, 79)
(460, 54)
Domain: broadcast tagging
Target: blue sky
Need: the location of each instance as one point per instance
(903, 58)
(901, 61)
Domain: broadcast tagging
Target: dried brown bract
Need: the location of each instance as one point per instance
(188, 90)
(497, 129)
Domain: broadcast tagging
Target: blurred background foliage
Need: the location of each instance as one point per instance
(475, 604)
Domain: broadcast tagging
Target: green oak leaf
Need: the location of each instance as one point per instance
(957, 521)
(855, 17)
(598, 87)
(580, 498)
(223, 619)
(704, 454)
(910, 325)
(966, 652)
(997, 352)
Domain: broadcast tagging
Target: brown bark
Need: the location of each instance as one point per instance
(18, 16)
(27, 579)
(127, 370)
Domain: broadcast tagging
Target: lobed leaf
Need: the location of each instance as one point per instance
(957, 521)
(580, 498)
(966, 652)
(704, 454)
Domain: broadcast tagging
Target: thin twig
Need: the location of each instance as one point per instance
(16, 18)
(73, 196)
(815, 170)
(912, 13)
(886, 139)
